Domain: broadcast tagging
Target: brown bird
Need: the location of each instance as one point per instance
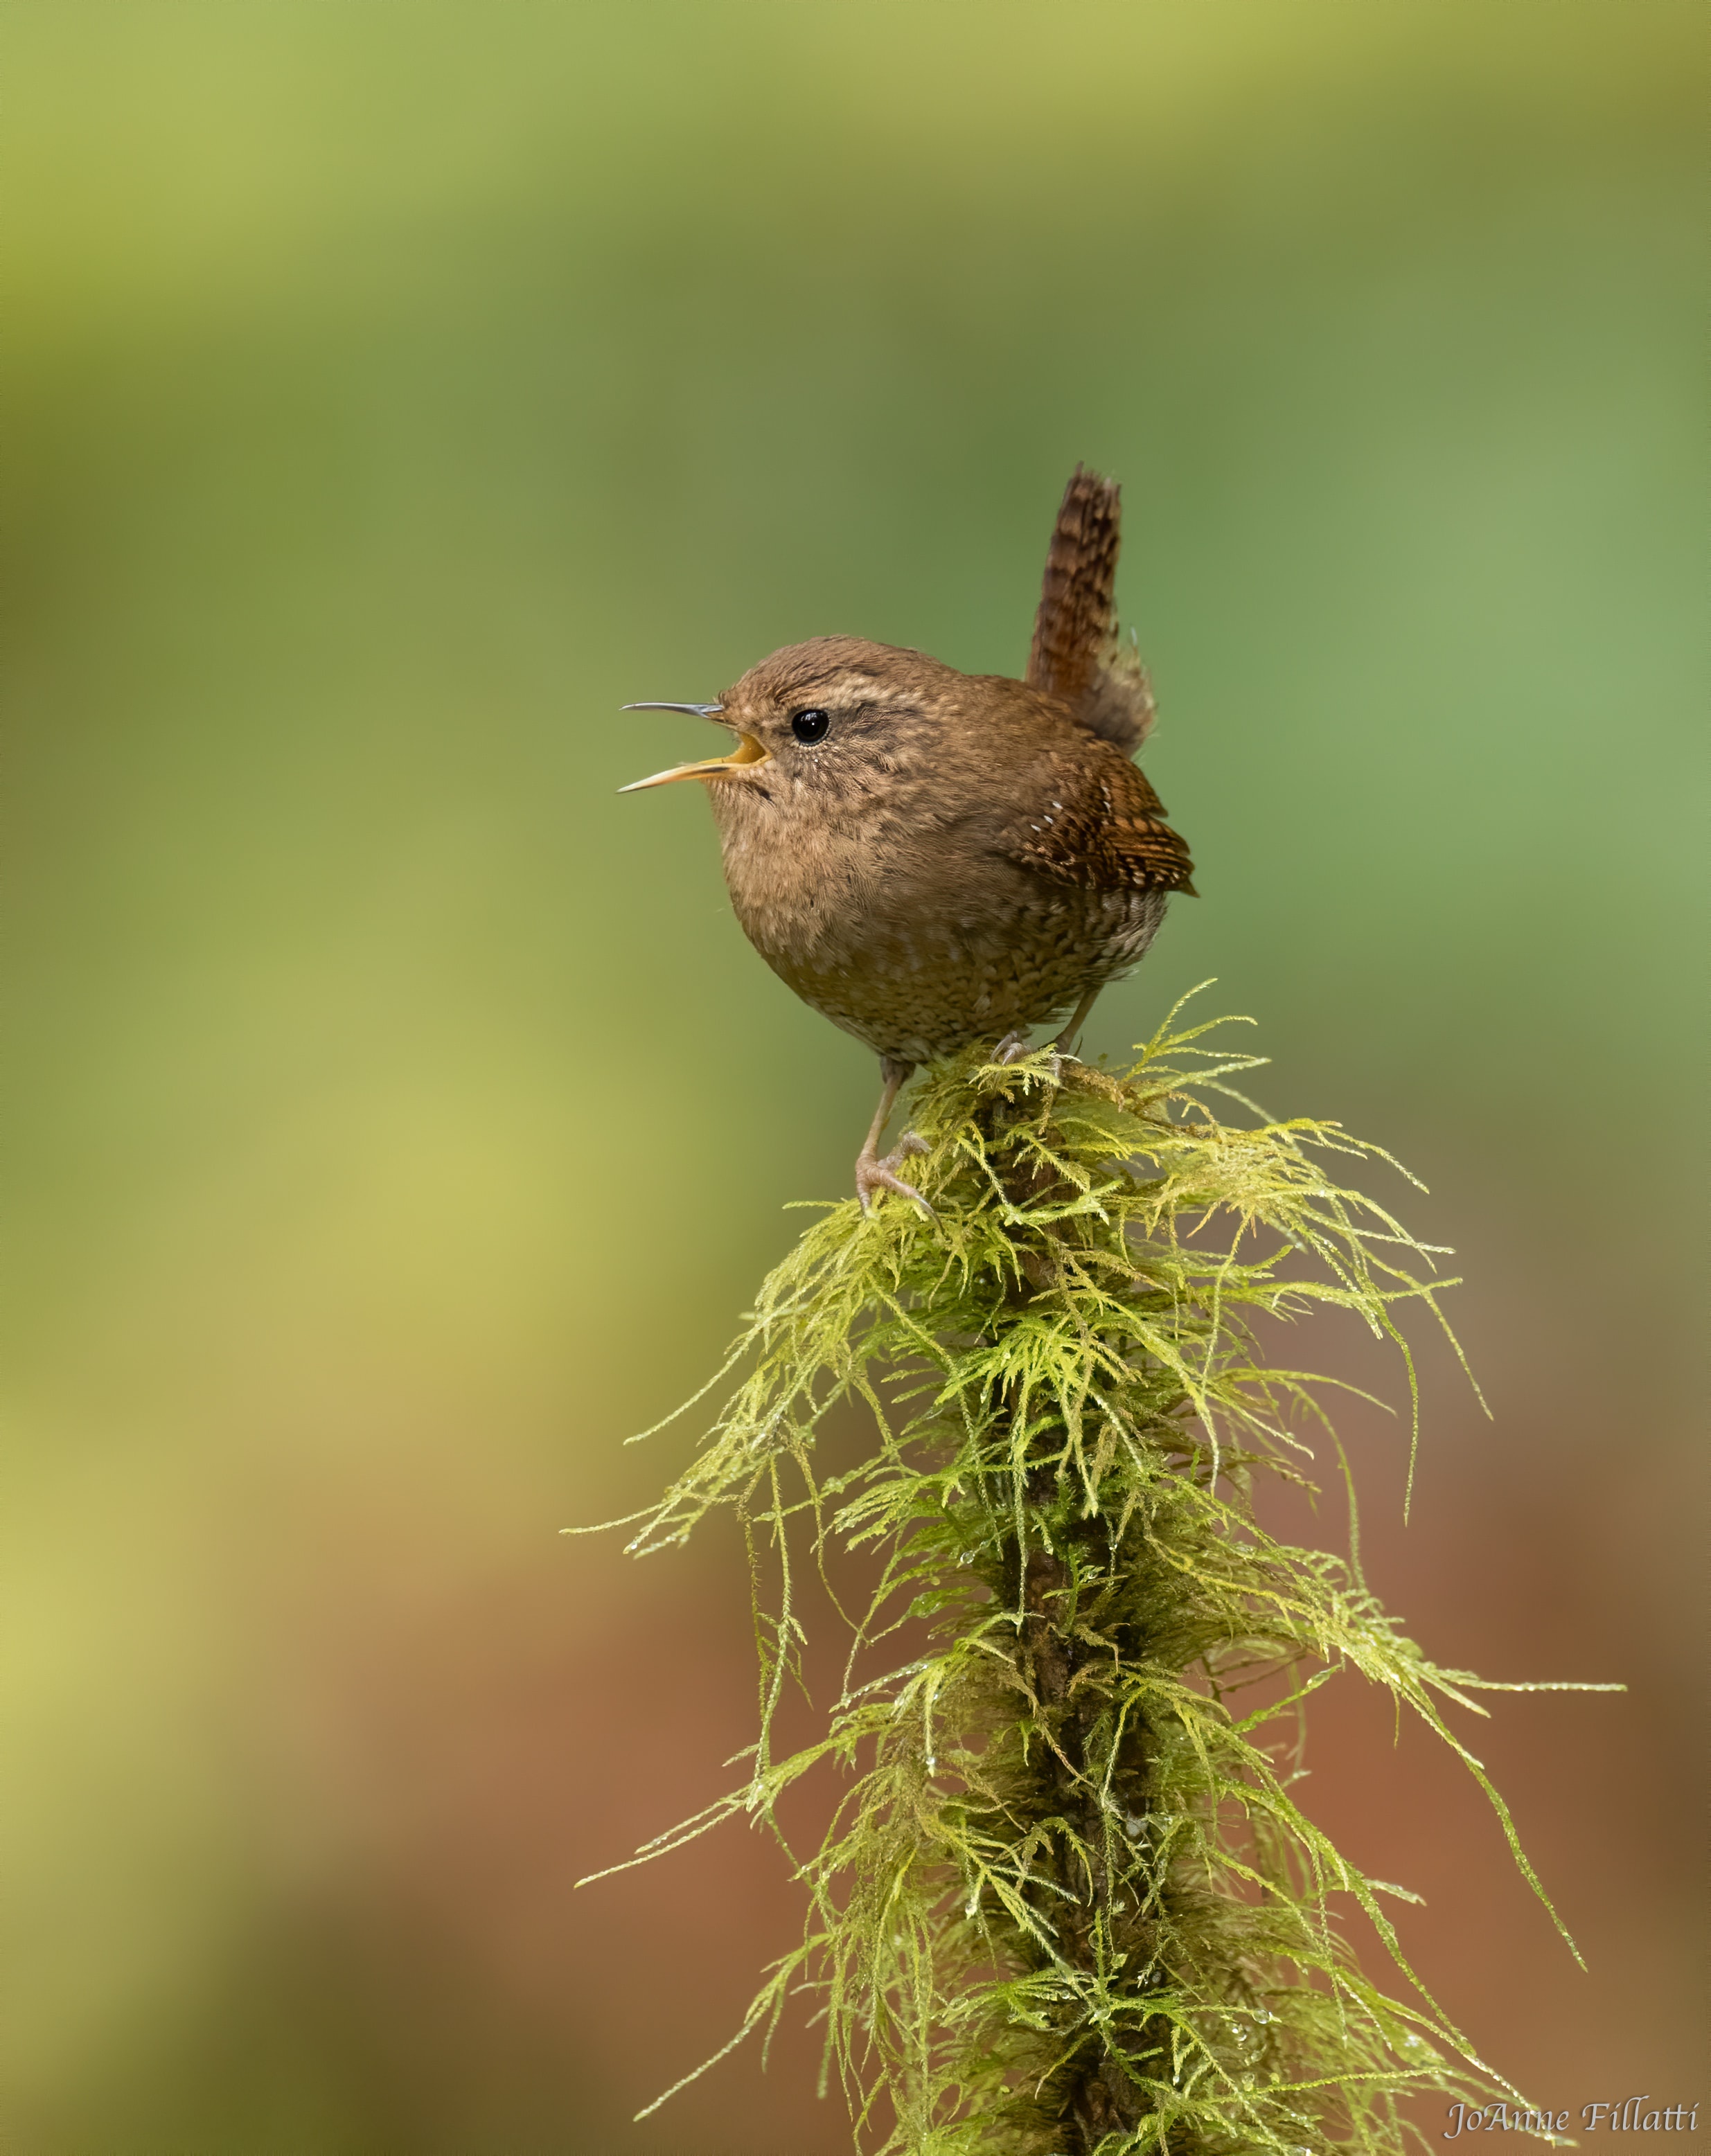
(932, 858)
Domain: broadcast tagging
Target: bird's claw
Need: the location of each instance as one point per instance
(1014, 1046)
(873, 1174)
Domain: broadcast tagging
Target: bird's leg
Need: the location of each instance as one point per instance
(873, 1174)
(1067, 1040)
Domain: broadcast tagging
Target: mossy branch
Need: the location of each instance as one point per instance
(1068, 1903)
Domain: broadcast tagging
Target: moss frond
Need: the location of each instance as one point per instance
(1068, 1903)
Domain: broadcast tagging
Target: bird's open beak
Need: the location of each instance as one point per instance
(745, 757)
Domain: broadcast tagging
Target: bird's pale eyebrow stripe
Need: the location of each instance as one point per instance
(833, 677)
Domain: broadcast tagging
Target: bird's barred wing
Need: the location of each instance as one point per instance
(1098, 823)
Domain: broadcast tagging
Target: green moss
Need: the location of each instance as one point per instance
(1068, 1903)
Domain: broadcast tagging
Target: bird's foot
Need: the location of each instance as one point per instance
(1014, 1046)
(874, 1173)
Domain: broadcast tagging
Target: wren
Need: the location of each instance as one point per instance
(932, 858)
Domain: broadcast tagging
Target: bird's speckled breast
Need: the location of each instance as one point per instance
(915, 996)
(905, 948)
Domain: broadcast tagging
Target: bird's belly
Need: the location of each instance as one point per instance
(921, 977)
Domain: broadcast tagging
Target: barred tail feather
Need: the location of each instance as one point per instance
(1076, 654)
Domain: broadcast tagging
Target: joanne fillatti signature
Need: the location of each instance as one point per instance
(1631, 2116)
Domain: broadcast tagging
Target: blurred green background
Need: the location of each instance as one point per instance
(397, 1119)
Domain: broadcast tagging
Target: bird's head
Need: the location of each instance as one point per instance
(826, 724)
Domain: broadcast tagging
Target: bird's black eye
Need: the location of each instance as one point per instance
(810, 725)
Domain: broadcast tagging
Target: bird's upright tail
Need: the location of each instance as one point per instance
(1077, 654)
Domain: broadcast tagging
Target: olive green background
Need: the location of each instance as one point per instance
(397, 1119)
